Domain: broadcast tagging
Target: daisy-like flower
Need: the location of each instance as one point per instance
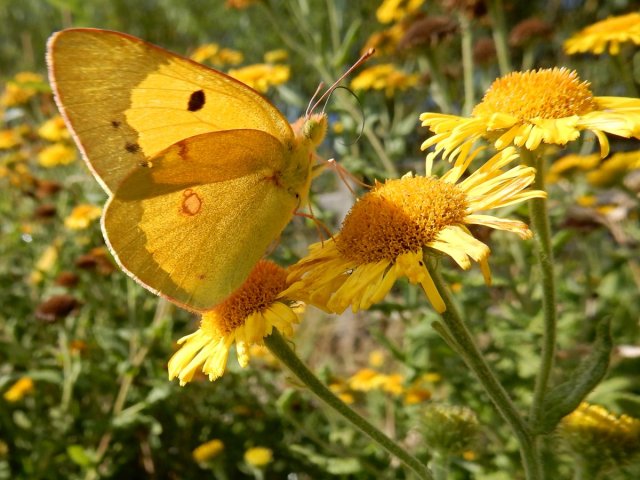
(388, 232)
(244, 318)
(262, 76)
(81, 216)
(610, 32)
(537, 106)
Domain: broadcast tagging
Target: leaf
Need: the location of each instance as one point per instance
(79, 455)
(565, 398)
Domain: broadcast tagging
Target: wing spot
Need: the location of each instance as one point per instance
(191, 203)
(132, 147)
(115, 123)
(146, 164)
(196, 101)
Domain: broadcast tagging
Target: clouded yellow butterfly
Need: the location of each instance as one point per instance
(202, 172)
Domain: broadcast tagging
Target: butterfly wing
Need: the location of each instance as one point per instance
(192, 222)
(126, 100)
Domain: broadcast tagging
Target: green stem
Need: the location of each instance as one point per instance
(467, 63)
(496, 11)
(467, 348)
(280, 348)
(540, 223)
(624, 69)
(429, 62)
(440, 465)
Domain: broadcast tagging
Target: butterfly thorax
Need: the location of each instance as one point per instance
(308, 134)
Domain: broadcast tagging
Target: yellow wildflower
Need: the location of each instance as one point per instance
(81, 216)
(208, 451)
(610, 32)
(54, 130)
(569, 163)
(17, 391)
(22, 88)
(258, 457)
(391, 229)
(395, 10)
(216, 56)
(262, 76)
(56, 154)
(279, 55)
(384, 77)
(244, 318)
(9, 138)
(614, 169)
(529, 108)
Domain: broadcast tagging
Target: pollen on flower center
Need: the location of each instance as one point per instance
(545, 93)
(256, 294)
(399, 216)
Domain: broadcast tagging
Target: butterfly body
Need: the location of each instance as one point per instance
(202, 172)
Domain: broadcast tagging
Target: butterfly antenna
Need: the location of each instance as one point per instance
(320, 226)
(359, 62)
(306, 113)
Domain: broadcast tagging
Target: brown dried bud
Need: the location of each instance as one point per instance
(47, 188)
(484, 51)
(529, 30)
(45, 211)
(56, 308)
(428, 32)
(67, 279)
(473, 8)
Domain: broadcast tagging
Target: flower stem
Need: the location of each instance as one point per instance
(467, 63)
(496, 12)
(540, 223)
(280, 348)
(467, 348)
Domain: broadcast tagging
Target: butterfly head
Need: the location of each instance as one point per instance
(311, 129)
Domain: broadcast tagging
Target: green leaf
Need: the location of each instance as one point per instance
(565, 398)
(79, 455)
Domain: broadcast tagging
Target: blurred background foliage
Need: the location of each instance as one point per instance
(90, 346)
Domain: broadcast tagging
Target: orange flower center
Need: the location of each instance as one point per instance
(256, 294)
(549, 94)
(399, 216)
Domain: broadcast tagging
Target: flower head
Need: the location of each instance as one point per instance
(208, 450)
(54, 130)
(244, 318)
(56, 154)
(258, 457)
(529, 108)
(610, 32)
(395, 10)
(384, 77)
(599, 438)
(388, 232)
(261, 76)
(17, 391)
(450, 429)
(81, 216)
(213, 54)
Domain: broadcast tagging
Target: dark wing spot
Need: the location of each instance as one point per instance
(115, 124)
(132, 147)
(196, 101)
(146, 164)
(191, 203)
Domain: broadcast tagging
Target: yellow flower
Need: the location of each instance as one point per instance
(56, 154)
(569, 163)
(529, 108)
(18, 390)
(393, 383)
(213, 54)
(614, 169)
(81, 216)
(388, 232)
(208, 451)
(240, 4)
(258, 457)
(22, 88)
(384, 77)
(394, 10)
(416, 394)
(366, 379)
(9, 138)
(385, 41)
(54, 130)
(376, 358)
(612, 32)
(599, 438)
(342, 390)
(276, 56)
(261, 76)
(244, 318)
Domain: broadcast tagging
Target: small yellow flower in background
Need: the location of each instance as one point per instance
(279, 55)
(415, 394)
(599, 438)
(17, 391)
(388, 232)
(208, 451)
(386, 41)
(569, 163)
(529, 108)
(46, 262)
(366, 379)
(376, 358)
(240, 4)
(393, 384)
(432, 377)
(9, 138)
(216, 56)
(262, 76)
(342, 390)
(384, 77)
(612, 170)
(57, 154)
(54, 130)
(244, 318)
(610, 32)
(394, 10)
(81, 216)
(258, 457)
(22, 88)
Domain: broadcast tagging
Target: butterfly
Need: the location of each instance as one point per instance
(202, 172)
